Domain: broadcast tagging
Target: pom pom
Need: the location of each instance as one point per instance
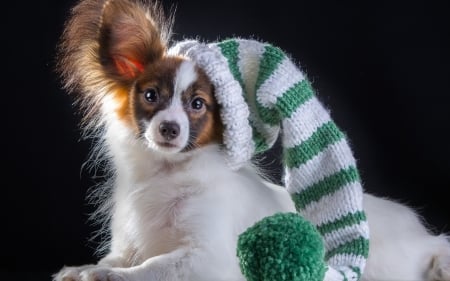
(282, 247)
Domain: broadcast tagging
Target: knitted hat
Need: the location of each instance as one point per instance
(262, 93)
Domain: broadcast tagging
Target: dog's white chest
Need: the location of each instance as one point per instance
(158, 217)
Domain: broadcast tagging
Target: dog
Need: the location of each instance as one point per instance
(175, 208)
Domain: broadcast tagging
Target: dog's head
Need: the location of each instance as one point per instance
(173, 106)
(116, 50)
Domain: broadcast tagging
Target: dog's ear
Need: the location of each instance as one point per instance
(129, 38)
(107, 43)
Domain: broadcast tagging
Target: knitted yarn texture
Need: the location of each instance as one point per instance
(281, 247)
(262, 94)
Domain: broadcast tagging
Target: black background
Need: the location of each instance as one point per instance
(381, 67)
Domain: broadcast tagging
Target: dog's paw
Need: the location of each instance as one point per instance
(101, 274)
(89, 273)
(70, 273)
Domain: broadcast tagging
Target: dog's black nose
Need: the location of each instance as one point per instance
(169, 130)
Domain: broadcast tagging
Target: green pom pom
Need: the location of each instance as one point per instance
(282, 247)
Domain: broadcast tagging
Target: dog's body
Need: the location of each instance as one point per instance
(176, 207)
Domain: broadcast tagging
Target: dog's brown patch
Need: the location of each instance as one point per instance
(121, 97)
(205, 125)
(159, 76)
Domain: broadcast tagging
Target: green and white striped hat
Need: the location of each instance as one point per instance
(262, 93)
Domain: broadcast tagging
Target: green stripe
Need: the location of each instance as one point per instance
(230, 50)
(325, 135)
(324, 187)
(286, 104)
(294, 97)
(270, 60)
(344, 221)
(359, 246)
(269, 116)
(259, 140)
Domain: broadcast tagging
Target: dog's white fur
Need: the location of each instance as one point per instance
(177, 215)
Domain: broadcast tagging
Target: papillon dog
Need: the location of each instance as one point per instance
(175, 208)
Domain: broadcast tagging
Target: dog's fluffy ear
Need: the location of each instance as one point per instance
(129, 38)
(109, 43)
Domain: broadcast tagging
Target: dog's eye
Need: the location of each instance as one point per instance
(197, 103)
(151, 95)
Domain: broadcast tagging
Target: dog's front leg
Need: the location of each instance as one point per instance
(172, 266)
(81, 273)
